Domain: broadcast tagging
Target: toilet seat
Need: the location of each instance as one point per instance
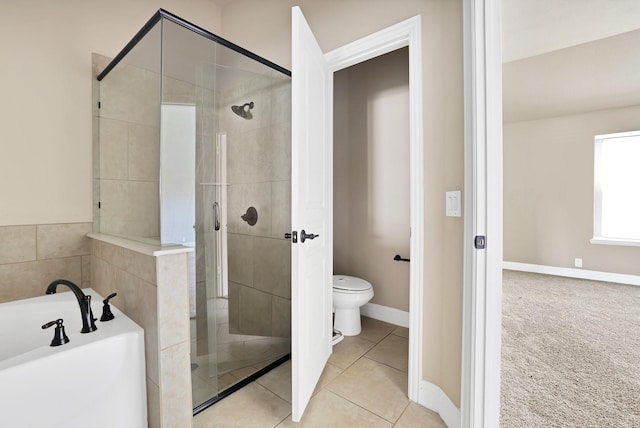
(350, 284)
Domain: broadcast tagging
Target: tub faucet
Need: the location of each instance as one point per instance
(84, 301)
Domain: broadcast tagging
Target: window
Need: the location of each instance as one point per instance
(616, 216)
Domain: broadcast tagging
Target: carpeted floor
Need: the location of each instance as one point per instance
(570, 352)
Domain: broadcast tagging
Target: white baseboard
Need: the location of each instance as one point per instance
(620, 278)
(386, 314)
(434, 398)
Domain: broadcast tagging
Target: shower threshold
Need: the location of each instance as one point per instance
(240, 384)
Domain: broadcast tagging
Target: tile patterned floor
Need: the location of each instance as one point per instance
(363, 385)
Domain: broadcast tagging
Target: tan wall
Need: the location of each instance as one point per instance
(264, 28)
(46, 134)
(371, 172)
(548, 191)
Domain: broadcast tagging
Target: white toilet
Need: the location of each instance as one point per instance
(349, 294)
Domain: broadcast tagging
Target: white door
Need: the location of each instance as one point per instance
(311, 206)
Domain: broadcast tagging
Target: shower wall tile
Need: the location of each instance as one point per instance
(30, 279)
(255, 312)
(86, 271)
(131, 94)
(144, 208)
(279, 166)
(63, 240)
(234, 307)
(144, 152)
(176, 91)
(113, 152)
(17, 244)
(242, 152)
(272, 266)
(281, 317)
(240, 258)
(114, 196)
(281, 101)
(281, 203)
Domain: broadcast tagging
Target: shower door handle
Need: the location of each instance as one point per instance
(216, 216)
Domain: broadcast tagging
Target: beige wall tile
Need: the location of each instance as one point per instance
(280, 317)
(173, 300)
(17, 244)
(281, 204)
(140, 265)
(178, 91)
(175, 391)
(63, 240)
(113, 154)
(30, 279)
(153, 404)
(234, 307)
(144, 152)
(255, 312)
(86, 272)
(272, 266)
(240, 254)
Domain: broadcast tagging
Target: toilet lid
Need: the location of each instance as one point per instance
(350, 283)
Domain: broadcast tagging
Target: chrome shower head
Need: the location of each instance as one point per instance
(243, 110)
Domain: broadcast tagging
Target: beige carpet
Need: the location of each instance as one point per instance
(570, 352)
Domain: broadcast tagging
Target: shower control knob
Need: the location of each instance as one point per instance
(304, 236)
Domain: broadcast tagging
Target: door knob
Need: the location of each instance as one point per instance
(304, 236)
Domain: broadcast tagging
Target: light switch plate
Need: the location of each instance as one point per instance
(454, 208)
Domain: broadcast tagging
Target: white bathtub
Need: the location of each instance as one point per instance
(95, 380)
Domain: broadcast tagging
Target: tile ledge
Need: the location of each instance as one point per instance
(140, 247)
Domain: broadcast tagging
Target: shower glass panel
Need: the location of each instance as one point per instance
(127, 160)
(216, 152)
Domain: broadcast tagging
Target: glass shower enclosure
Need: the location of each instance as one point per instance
(194, 149)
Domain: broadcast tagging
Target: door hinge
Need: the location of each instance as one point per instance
(480, 242)
(99, 205)
(99, 104)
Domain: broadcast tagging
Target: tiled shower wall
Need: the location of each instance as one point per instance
(31, 256)
(259, 176)
(127, 157)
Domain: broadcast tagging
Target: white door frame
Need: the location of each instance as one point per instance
(482, 297)
(404, 34)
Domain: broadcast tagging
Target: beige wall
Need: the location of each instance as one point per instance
(548, 191)
(45, 140)
(371, 172)
(264, 28)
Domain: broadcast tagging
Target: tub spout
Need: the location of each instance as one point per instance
(88, 322)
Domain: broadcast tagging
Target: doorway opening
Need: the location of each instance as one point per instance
(371, 181)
